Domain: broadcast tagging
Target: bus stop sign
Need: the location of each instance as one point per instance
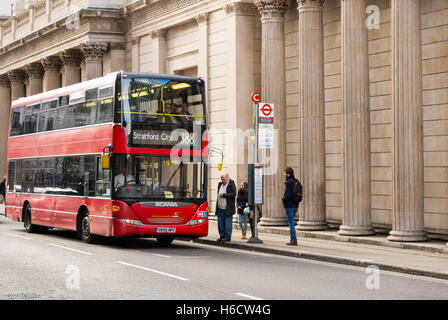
(255, 97)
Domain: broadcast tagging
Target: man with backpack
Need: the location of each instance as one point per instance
(291, 200)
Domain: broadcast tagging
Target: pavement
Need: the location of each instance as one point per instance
(429, 259)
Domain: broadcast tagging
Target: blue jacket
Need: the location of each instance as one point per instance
(287, 197)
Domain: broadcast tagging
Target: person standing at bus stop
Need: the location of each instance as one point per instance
(3, 189)
(225, 207)
(242, 203)
(290, 204)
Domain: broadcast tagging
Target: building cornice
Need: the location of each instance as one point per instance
(161, 8)
(56, 37)
(87, 13)
(143, 19)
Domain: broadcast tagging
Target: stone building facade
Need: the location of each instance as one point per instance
(360, 89)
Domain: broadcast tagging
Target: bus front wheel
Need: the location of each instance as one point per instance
(86, 236)
(29, 227)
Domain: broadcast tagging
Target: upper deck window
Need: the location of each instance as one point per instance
(17, 121)
(81, 108)
(159, 101)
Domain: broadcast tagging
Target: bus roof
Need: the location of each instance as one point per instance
(170, 77)
(85, 85)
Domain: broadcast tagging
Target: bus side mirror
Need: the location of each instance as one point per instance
(105, 161)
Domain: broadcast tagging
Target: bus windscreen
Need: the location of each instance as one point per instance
(146, 177)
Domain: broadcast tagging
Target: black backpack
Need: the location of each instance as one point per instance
(297, 194)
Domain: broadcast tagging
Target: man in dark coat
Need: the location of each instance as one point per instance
(3, 188)
(290, 205)
(225, 207)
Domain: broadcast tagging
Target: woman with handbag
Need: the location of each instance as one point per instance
(242, 204)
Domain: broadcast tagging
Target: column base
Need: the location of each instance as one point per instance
(311, 225)
(334, 224)
(407, 236)
(272, 222)
(355, 230)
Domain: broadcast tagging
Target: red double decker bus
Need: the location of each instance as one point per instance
(116, 156)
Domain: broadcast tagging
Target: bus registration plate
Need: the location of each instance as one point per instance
(165, 230)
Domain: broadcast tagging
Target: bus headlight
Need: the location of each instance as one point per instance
(130, 221)
(194, 222)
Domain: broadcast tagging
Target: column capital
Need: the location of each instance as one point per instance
(117, 45)
(241, 8)
(71, 58)
(271, 8)
(35, 70)
(94, 50)
(202, 18)
(156, 34)
(310, 5)
(51, 64)
(4, 81)
(135, 41)
(17, 75)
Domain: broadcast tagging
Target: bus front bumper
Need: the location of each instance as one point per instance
(122, 229)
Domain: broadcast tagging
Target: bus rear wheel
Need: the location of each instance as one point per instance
(165, 241)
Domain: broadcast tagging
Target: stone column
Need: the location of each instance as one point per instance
(32, 17)
(2, 32)
(408, 122)
(93, 54)
(159, 51)
(202, 20)
(71, 60)
(13, 27)
(311, 69)
(17, 78)
(35, 76)
(5, 106)
(135, 54)
(356, 120)
(273, 81)
(48, 8)
(241, 83)
(52, 66)
(117, 56)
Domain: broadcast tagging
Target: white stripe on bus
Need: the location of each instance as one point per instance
(63, 212)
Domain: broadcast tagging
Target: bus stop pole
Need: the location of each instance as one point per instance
(254, 238)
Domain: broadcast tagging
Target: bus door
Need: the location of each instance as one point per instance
(13, 190)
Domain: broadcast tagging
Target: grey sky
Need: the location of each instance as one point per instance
(5, 7)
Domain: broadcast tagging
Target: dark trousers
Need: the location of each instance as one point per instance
(224, 224)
